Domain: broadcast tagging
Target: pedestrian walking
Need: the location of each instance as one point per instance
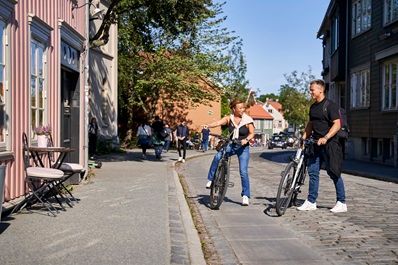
(158, 137)
(205, 138)
(168, 138)
(92, 137)
(323, 129)
(144, 134)
(241, 127)
(182, 134)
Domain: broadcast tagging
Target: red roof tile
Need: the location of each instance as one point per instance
(258, 112)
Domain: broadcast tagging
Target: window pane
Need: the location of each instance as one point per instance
(2, 125)
(395, 9)
(2, 85)
(33, 91)
(386, 82)
(394, 86)
(33, 114)
(40, 90)
(41, 116)
(1, 43)
(40, 61)
(33, 59)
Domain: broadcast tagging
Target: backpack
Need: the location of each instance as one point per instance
(344, 131)
(163, 133)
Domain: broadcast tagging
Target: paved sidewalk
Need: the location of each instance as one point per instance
(133, 212)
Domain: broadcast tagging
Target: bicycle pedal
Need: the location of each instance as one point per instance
(231, 184)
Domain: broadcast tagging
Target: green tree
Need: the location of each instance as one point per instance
(294, 97)
(263, 98)
(159, 57)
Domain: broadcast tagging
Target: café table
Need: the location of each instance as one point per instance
(55, 156)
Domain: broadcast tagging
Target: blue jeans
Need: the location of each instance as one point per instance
(205, 145)
(166, 145)
(243, 155)
(314, 166)
(158, 150)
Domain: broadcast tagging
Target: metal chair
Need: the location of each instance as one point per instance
(69, 169)
(41, 181)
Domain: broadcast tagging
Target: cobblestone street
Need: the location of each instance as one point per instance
(366, 234)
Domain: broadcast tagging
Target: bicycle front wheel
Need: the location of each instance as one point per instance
(219, 185)
(285, 189)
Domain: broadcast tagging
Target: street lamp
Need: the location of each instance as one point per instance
(97, 12)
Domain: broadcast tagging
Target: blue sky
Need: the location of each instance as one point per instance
(279, 36)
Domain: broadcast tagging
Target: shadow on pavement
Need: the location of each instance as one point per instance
(205, 200)
(279, 157)
(130, 156)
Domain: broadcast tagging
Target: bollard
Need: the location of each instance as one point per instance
(2, 178)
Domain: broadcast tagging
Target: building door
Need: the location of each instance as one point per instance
(70, 115)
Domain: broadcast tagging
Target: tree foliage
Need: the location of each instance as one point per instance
(294, 97)
(263, 98)
(166, 48)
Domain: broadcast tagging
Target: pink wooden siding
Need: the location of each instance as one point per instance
(49, 11)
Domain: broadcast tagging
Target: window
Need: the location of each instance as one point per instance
(335, 34)
(361, 16)
(4, 101)
(37, 81)
(360, 89)
(390, 77)
(390, 11)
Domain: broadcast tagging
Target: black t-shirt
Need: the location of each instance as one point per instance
(321, 123)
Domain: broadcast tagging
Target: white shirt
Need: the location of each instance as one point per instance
(146, 130)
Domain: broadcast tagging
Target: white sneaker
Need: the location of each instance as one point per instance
(180, 159)
(307, 206)
(208, 184)
(183, 160)
(245, 200)
(339, 208)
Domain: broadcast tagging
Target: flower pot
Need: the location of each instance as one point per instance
(42, 140)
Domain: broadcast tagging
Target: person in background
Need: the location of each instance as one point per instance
(92, 137)
(323, 129)
(241, 127)
(157, 139)
(205, 138)
(167, 139)
(182, 134)
(144, 134)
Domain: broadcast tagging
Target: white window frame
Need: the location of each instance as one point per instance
(360, 89)
(39, 110)
(390, 11)
(5, 101)
(40, 34)
(389, 96)
(361, 16)
(334, 45)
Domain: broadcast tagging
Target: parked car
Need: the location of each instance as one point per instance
(277, 141)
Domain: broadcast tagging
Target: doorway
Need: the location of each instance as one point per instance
(70, 112)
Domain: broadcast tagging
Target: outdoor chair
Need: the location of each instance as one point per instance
(41, 181)
(69, 169)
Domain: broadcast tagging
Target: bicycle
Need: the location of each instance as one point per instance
(293, 178)
(220, 182)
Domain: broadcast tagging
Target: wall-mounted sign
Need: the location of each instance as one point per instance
(69, 56)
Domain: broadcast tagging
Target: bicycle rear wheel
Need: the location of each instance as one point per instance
(285, 189)
(219, 185)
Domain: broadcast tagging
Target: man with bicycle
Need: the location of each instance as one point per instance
(323, 126)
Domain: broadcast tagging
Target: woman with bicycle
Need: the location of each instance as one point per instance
(241, 128)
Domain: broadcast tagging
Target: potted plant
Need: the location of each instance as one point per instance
(42, 132)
